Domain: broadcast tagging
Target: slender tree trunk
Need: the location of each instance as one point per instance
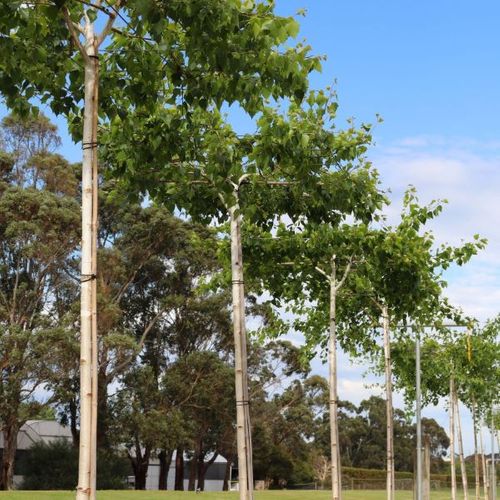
(332, 361)
(463, 469)
(94, 348)
(452, 441)
(73, 415)
(243, 433)
(193, 471)
(477, 472)
(86, 470)
(179, 469)
(200, 486)
(165, 458)
(227, 475)
(389, 408)
(10, 433)
(426, 469)
(485, 469)
(102, 434)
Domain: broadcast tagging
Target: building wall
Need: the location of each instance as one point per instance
(153, 477)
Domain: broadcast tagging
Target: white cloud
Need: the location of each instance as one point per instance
(467, 174)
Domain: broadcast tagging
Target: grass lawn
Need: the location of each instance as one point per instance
(178, 495)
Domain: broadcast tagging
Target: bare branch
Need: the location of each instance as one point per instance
(109, 24)
(325, 274)
(243, 178)
(140, 345)
(377, 303)
(346, 272)
(74, 34)
(94, 6)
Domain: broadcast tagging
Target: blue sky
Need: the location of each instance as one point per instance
(431, 69)
(427, 67)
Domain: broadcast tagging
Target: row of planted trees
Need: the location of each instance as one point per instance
(153, 82)
(460, 363)
(165, 346)
(154, 315)
(360, 282)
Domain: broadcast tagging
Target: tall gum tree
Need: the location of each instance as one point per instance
(39, 233)
(213, 174)
(189, 51)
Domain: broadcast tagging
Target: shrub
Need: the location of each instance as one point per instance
(54, 466)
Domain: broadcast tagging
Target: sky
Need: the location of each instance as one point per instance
(432, 71)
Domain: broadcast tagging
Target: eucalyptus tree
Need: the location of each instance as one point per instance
(186, 51)
(38, 233)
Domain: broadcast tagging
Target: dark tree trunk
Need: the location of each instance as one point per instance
(227, 474)
(8, 456)
(201, 472)
(193, 469)
(102, 410)
(140, 464)
(179, 469)
(165, 458)
(202, 469)
(73, 415)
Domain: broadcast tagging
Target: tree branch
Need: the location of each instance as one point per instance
(109, 24)
(74, 34)
(346, 272)
(326, 275)
(140, 345)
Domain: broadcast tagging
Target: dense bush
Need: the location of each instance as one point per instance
(54, 466)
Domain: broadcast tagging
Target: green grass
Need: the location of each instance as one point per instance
(178, 495)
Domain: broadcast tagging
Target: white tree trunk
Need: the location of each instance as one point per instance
(477, 472)
(244, 440)
(88, 268)
(95, 211)
(485, 469)
(461, 451)
(332, 362)
(88, 300)
(452, 441)
(89, 49)
(389, 408)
